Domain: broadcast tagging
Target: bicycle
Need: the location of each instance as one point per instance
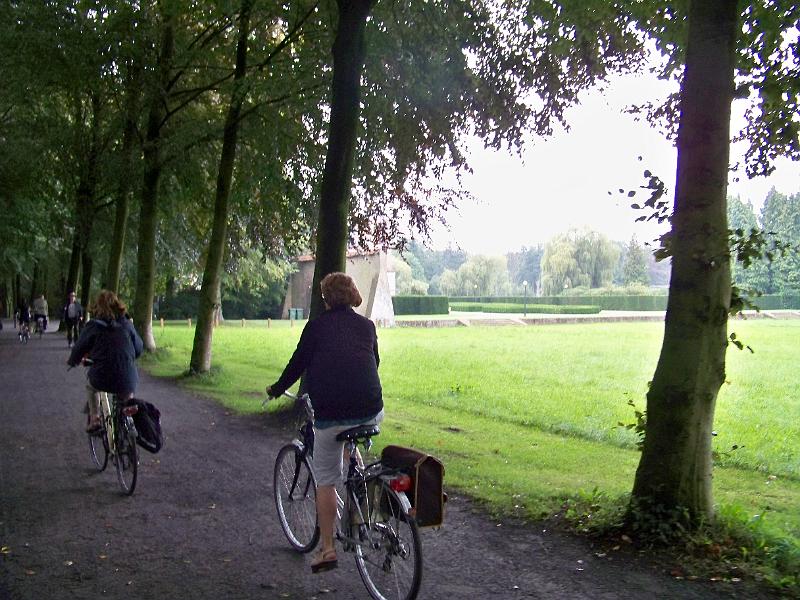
(116, 438)
(373, 510)
(39, 327)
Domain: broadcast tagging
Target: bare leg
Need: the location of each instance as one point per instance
(326, 513)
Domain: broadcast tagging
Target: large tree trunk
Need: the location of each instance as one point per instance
(35, 283)
(114, 266)
(148, 215)
(74, 265)
(86, 278)
(675, 468)
(210, 290)
(334, 206)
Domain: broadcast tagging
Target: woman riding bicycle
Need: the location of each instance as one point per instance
(339, 353)
(112, 344)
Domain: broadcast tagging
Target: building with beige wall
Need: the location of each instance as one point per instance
(373, 274)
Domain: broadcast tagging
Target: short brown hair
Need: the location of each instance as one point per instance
(339, 289)
(108, 306)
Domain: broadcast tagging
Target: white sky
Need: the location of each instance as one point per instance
(563, 181)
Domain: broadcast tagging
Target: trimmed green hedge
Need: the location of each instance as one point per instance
(508, 307)
(659, 302)
(604, 302)
(776, 301)
(420, 305)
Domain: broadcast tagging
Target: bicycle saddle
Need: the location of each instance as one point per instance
(360, 432)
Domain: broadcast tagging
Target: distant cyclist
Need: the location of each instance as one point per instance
(41, 310)
(73, 316)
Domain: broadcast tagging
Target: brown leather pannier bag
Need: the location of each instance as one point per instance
(426, 495)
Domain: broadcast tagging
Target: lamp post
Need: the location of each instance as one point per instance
(525, 303)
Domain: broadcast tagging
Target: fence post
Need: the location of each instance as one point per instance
(162, 322)
(189, 320)
(269, 322)
(243, 323)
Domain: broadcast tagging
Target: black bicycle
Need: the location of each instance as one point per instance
(116, 438)
(24, 332)
(374, 520)
(39, 327)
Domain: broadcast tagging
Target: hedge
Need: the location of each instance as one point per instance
(420, 305)
(776, 301)
(604, 302)
(659, 302)
(508, 307)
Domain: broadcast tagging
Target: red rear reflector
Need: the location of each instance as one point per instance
(129, 411)
(401, 483)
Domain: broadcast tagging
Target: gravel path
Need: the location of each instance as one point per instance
(202, 524)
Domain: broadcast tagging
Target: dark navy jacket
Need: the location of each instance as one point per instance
(114, 347)
(339, 353)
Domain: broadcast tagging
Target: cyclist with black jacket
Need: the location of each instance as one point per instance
(110, 340)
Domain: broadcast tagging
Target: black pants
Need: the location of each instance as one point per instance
(73, 328)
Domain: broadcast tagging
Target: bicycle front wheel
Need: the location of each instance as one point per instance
(98, 449)
(127, 458)
(389, 553)
(296, 498)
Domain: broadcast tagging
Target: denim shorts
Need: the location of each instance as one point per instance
(328, 462)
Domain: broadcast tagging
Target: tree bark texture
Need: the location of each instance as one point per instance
(35, 283)
(675, 469)
(334, 206)
(86, 278)
(148, 215)
(114, 266)
(210, 300)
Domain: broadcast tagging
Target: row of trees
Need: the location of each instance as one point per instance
(780, 218)
(174, 137)
(585, 259)
(571, 262)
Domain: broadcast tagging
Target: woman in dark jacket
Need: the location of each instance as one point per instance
(112, 344)
(339, 353)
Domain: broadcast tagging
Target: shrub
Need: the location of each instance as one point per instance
(604, 302)
(508, 307)
(420, 305)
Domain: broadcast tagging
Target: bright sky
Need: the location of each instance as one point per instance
(564, 181)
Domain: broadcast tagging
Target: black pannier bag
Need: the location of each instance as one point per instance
(148, 426)
(426, 495)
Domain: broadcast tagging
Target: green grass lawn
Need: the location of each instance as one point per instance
(525, 417)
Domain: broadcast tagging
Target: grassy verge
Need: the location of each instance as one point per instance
(525, 418)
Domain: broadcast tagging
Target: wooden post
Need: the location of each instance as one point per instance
(189, 320)
(269, 322)
(162, 322)
(242, 323)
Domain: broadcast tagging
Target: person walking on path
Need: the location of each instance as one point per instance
(73, 316)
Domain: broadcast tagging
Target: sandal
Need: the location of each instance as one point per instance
(324, 561)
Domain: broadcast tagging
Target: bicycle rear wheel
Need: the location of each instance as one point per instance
(98, 449)
(389, 555)
(296, 498)
(127, 457)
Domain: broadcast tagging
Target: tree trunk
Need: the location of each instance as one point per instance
(210, 290)
(674, 472)
(334, 206)
(86, 278)
(74, 265)
(148, 215)
(35, 283)
(114, 266)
